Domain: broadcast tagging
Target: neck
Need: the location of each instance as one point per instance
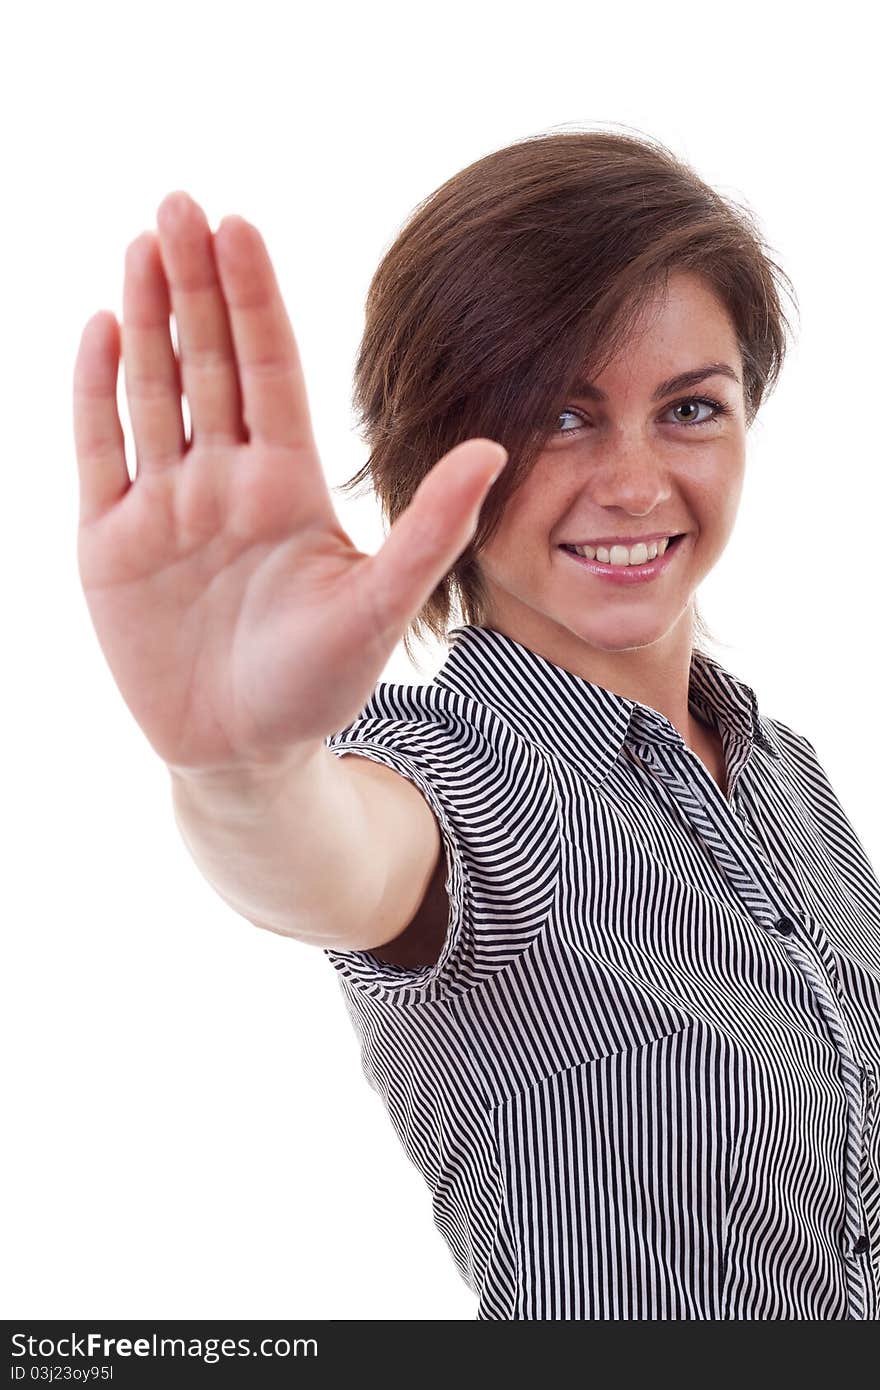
(656, 674)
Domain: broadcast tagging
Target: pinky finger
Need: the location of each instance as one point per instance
(100, 443)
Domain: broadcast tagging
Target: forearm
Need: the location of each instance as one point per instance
(290, 849)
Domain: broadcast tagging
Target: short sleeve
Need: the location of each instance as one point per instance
(362, 967)
(497, 815)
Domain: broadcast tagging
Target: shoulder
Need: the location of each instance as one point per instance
(496, 807)
(789, 743)
(456, 735)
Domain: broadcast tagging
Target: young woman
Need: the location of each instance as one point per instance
(607, 936)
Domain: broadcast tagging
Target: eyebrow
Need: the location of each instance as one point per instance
(681, 382)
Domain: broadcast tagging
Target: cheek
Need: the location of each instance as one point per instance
(531, 515)
(518, 551)
(730, 493)
(512, 533)
(720, 490)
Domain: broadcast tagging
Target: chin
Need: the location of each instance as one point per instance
(620, 632)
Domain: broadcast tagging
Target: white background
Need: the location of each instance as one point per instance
(189, 1131)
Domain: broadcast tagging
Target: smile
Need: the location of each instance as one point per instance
(628, 574)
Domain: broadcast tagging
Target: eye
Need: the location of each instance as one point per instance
(716, 408)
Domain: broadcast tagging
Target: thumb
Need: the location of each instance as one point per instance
(428, 537)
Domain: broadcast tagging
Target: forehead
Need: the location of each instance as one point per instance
(682, 318)
(677, 327)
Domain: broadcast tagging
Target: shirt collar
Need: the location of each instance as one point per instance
(584, 722)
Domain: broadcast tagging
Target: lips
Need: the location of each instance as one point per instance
(628, 575)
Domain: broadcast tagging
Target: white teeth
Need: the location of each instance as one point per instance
(622, 554)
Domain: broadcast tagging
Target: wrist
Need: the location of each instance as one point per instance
(246, 777)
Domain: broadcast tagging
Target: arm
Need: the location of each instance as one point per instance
(337, 852)
(277, 627)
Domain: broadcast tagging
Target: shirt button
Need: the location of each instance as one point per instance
(785, 925)
(861, 1245)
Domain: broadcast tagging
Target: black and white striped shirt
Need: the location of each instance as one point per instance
(641, 1080)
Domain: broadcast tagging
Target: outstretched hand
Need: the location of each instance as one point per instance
(236, 615)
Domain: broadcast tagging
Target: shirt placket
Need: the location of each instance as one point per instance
(726, 835)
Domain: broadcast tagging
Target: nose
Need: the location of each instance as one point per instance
(629, 476)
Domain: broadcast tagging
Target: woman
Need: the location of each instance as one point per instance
(605, 932)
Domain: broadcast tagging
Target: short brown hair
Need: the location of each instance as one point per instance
(528, 266)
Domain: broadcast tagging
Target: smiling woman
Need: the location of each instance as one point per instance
(630, 1033)
(516, 282)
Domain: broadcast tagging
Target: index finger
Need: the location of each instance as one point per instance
(270, 373)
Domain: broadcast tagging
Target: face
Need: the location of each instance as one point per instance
(629, 465)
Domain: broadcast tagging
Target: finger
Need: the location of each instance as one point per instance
(152, 375)
(273, 388)
(207, 359)
(427, 539)
(97, 430)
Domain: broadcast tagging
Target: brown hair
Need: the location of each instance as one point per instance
(528, 266)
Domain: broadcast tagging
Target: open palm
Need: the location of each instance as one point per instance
(236, 615)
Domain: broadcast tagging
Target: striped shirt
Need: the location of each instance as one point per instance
(641, 1079)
